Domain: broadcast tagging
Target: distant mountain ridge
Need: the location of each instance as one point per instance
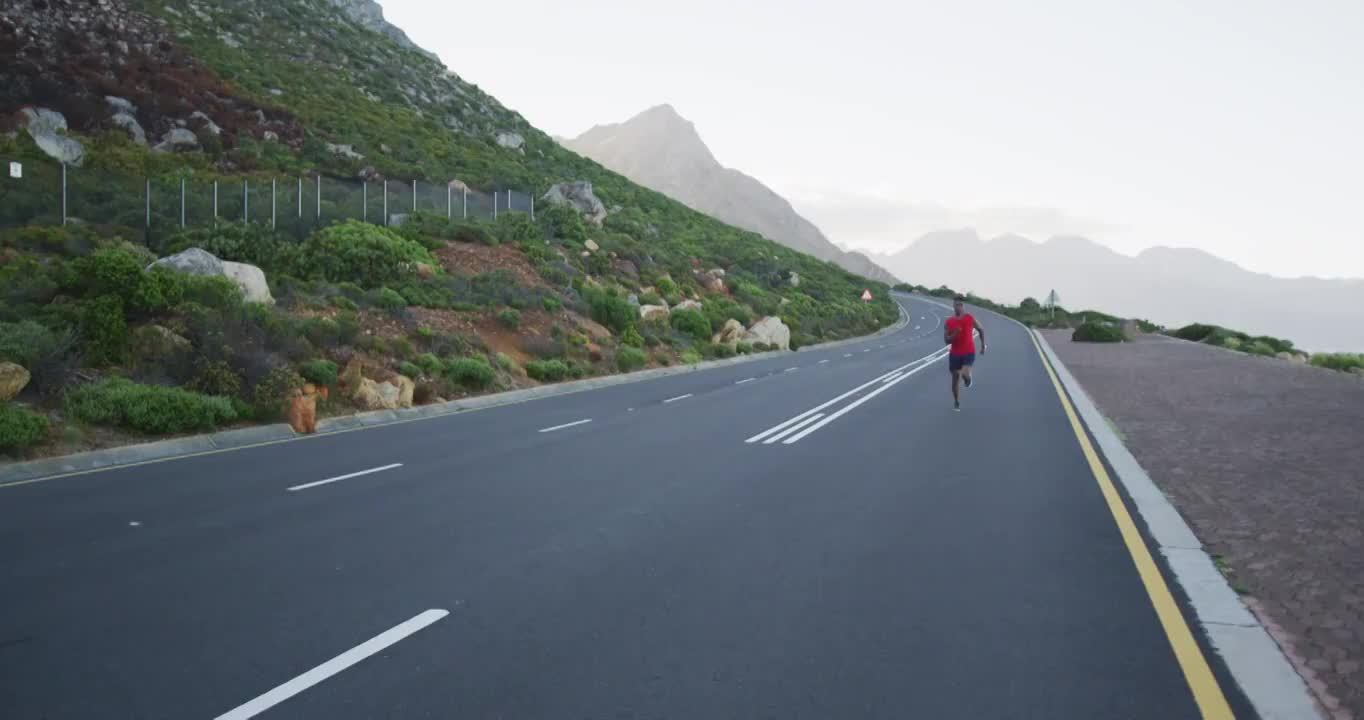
(1171, 286)
(660, 149)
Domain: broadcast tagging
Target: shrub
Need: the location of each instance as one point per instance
(120, 402)
(348, 327)
(20, 428)
(543, 347)
(1344, 362)
(720, 309)
(387, 299)
(1196, 332)
(721, 350)
(505, 362)
(743, 348)
(510, 318)
(471, 372)
(354, 251)
(411, 370)
(547, 370)
(629, 359)
(650, 299)
(48, 355)
(343, 303)
(215, 292)
(423, 393)
(693, 324)
(251, 243)
(430, 365)
(761, 347)
(552, 304)
(632, 337)
(564, 223)
(1097, 332)
(473, 232)
(689, 357)
(798, 340)
(321, 331)
(402, 348)
(216, 377)
(272, 390)
(667, 287)
(319, 372)
(103, 329)
(515, 228)
(609, 308)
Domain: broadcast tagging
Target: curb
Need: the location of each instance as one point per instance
(79, 463)
(1254, 660)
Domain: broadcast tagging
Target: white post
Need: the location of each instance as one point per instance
(414, 196)
(300, 198)
(64, 194)
(246, 201)
(319, 198)
(274, 201)
(494, 205)
(147, 193)
(215, 202)
(182, 201)
(464, 204)
(385, 203)
(364, 201)
(532, 207)
(449, 200)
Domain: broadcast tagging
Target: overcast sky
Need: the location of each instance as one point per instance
(1235, 126)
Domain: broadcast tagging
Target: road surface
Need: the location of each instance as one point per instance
(812, 535)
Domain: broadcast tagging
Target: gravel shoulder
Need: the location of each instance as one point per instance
(1265, 460)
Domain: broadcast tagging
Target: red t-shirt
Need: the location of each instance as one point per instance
(965, 341)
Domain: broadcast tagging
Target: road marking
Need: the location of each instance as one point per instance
(749, 380)
(892, 377)
(568, 425)
(821, 362)
(851, 406)
(791, 369)
(847, 355)
(847, 394)
(1202, 683)
(793, 428)
(679, 397)
(331, 667)
(339, 478)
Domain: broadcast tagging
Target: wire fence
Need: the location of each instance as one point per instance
(45, 193)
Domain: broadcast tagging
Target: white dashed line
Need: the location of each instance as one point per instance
(821, 362)
(848, 355)
(338, 478)
(679, 397)
(791, 369)
(327, 669)
(567, 425)
(749, 380)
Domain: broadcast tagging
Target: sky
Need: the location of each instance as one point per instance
(1233, 126)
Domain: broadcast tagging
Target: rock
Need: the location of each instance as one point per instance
(270, 136)
(591, 245)
(795, 279)
(177, 139)
(302, 412)
(730, 334)
(346, 151)
(579, 196)
(406, 389)
(426, 270)
(353, 375)
(633, 299)
(594, 352)
(45, 127)
(132, 126)
(13, 379)
(688, 305)
(251, 280)
(120, 105)
(458, 186)
(510, 140)
(275, 91)
(712, 281)
(398, 219)
(650, 312)
(785, 301)
(717, 272)
(158, 342)
(208, 123)
(625, 267)
(370, 395)
(385, 149)
(585, 253)
(771, 331)
(196, 261)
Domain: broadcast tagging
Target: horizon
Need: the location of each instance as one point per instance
(878, 139)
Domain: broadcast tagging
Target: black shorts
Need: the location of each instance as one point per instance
(957, 362)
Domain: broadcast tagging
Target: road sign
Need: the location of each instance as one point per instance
(16, 170)
(866, 296)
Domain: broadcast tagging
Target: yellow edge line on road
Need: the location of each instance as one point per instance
(1207, 693)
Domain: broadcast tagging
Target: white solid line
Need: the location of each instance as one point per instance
(344, 477)
(333, 666)
(791, 369)
(568, 425)
(892, 377)
(821, 362)
(793, 428)
(849, 407)
(749, 380)
(679, 397)
(867, 350)
(849, 393)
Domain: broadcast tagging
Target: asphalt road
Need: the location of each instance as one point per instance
(640, 551)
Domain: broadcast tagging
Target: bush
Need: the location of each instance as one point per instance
(505, 362)
(387, 299)
(744, 348)
(473, 232)
(610, 309)
(721, 350)
(761, 347)
(356, 251)
(430, 365)
(319, 372)
(120, 402)
(1097, 332)
(411, 370)
(510, 318)
(543, 347)
(693, 324)
(1344, 362)
(515, 228)
(798, 340)
(547, 370)
(20, 428)
(632, 337)
(474, 373)
(216, 377)
(552, 304)
(719, 309)
(103, 329)
(321, 331)
(629, 359)
(689, 357)
(341, 302)
(48, 355)
(250, 243)
(1196, 332)
(273, 390)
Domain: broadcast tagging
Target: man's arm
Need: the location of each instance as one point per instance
(980, 329)
(948, 334)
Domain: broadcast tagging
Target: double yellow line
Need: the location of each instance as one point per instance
(1212, 703)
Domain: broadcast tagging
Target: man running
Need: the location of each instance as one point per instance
(958, 331)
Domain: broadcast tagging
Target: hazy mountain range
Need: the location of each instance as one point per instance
(662, 150)
(1170, 286)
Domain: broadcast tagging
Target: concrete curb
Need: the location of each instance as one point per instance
(24, 472)
(1255, 661)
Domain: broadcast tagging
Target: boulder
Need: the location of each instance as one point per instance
(270, 136)
(649, 312)
(406, 389)
(633, 299)
(119, 104)
(345, 151)
(353, 374)
(688, 305)
(13, 379)
(510, 140)
(158, 342)
(591, 245)
(795, 279)
(426, 270)
(46, 128)
(372, 395)
(770, 331)
(194, 261)
(206, 122)
(711, 282)
(625, 267)
(579, 196)
(730, 334)
(251, 280)
(132, 126)
(177, 139)
(398, 219)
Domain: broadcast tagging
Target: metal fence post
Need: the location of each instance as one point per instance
(364, 201)
(449, 196)
(274, 202)
(532, 206)
(215, 202)
(464, 212)
(509, 200)
(385, 204)
(63, 193)
(147, 195)
(494, 205)
(182, 202)
(246, 201)
(414, 196)
(319, 199)
(300, 198)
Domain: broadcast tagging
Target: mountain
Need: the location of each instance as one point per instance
(1170, 286)
(660, 149)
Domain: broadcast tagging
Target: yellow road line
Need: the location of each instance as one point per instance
(1207, 693)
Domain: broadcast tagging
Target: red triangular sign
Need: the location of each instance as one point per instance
(866, 296)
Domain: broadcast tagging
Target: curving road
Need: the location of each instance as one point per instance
(811, 535)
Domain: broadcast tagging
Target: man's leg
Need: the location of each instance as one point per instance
(956, 388)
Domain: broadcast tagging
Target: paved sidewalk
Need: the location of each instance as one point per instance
(1265, 460)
